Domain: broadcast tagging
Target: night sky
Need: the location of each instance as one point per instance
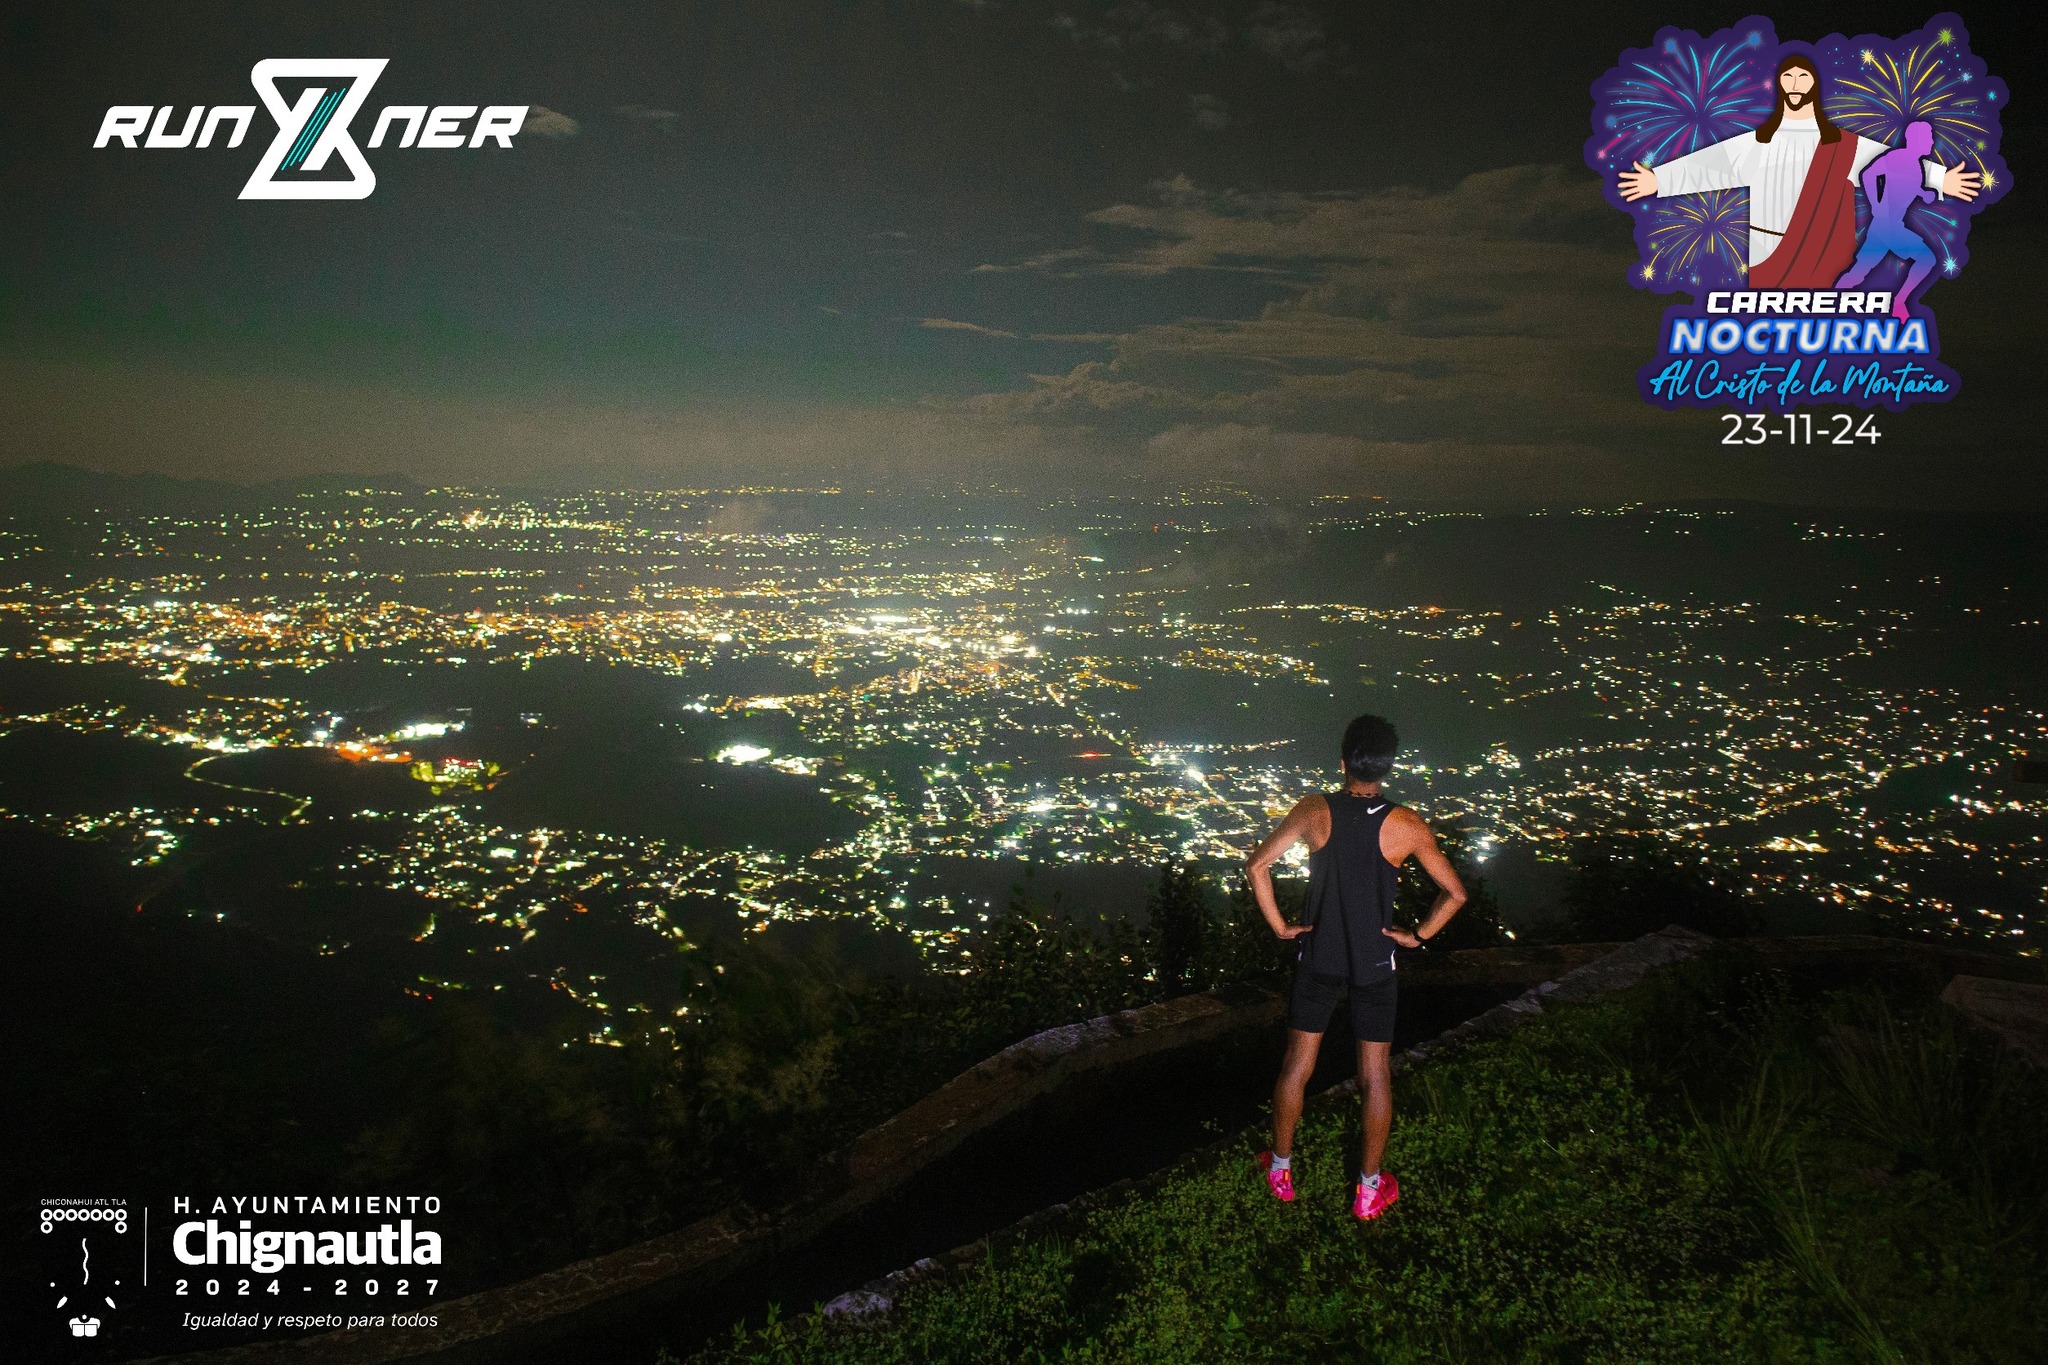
(1333, 248)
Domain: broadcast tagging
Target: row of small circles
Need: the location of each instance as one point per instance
(118, 1217)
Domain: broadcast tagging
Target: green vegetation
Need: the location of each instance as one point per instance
(1722, 1164)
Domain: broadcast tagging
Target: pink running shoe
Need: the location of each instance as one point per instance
(1280, 1182)
(1374, 1200)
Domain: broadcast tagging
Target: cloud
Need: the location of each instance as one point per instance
(1403, 316)
(1068, 263)
(1191, 228)
(1209, 112)
(651, 226)
(1291, 36)
(1470, 343)
(1135, 23)
(664, 119)
(542, 121)
(1089, 390)
(950, 325)
(1121, 33)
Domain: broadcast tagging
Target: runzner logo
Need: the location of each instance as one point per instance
(313, 126)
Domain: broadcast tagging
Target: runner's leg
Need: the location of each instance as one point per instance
(1874, 251)
(1288, 1091)
(1376, 1088)
(1921, 257)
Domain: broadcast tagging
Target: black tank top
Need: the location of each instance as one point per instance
(1351, 889)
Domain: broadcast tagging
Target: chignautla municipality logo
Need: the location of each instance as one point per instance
(88, 1248)
(314, 155)
(1807, 198)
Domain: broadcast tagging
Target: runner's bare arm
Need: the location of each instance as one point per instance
(1258, 869)
(1412, 838)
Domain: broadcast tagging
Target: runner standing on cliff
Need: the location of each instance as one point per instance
(1357, 840)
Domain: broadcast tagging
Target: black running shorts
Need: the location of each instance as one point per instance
(1314, 998)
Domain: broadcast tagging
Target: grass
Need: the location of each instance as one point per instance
(1719, 1165)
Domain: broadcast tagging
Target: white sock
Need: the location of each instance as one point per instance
(1283, 1163)
(1371, 1182)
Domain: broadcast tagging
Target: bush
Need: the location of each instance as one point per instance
(1182, 934)
(1038, 967)
(1624, 888)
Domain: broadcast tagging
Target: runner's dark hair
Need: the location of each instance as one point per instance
(1768, 129)
(1369, 748)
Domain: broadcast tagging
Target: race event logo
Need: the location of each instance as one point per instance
(313, 155)
(1806, 198)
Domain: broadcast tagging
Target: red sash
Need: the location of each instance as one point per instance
(1820, 242)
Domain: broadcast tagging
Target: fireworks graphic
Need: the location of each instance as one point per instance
(1700, 238)
(1930, 84)
(1684, 94)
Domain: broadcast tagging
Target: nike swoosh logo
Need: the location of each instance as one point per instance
(1374, 810)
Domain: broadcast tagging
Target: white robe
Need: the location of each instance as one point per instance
(1773, 172)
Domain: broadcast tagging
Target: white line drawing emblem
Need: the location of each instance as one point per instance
(313, 129)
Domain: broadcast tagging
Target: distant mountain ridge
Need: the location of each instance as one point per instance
(47, 488)
(53, 488)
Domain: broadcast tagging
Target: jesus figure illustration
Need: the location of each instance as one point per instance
(1800, 171)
